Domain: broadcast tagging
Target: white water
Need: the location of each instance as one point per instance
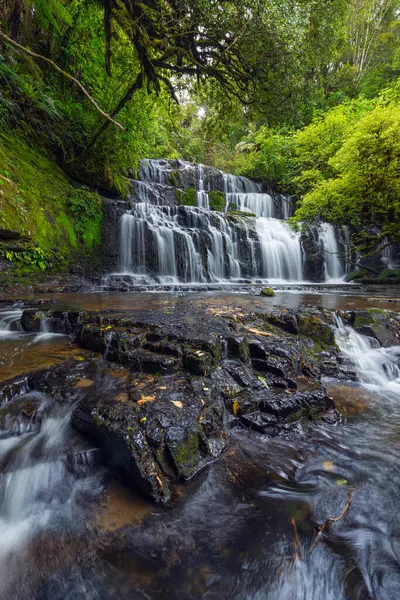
(37, 491)
(203, 200)
(281, 257)
(334, 269)
(7, 318)
(167, 244)
(377, 367)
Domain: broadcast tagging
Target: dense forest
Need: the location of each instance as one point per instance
(304, 94)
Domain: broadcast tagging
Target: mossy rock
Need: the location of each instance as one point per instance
(217, 200)
(389, 273)
(356, 275)
(316, 329)
(190, 197)
(269, 292)
(186, 455)
(240, 213)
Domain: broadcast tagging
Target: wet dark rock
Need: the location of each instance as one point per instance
(162, 430)
(382, 325)
(165, 387)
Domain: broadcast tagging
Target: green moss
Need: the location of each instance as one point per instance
(173, 178)
(388, 273)
(267, 292)
(355, 275)
(190, 197)
(179, 194)
(186, 455)
(239, 213)
(314, 328)
(65, 224)
(34, 203)
(217, 200)
(86, 211)
(362, 320)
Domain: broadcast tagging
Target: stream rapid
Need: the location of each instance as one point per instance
(245, 530)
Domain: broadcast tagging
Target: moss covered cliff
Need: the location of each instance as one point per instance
(46, 223)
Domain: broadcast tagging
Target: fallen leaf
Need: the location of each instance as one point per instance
(122, 397)
(258, 332)
(145, 399)
(162, 387)
(263, 381)
(328, 465)
(82, 383)
(235, 407)
(143, 419)
(177, 403)
(341, 482)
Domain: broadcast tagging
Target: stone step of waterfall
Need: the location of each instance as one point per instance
(76, 455)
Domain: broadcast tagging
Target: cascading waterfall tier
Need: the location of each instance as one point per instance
(195, 224)
(335, 248)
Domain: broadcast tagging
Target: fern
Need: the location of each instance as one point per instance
(51, 13)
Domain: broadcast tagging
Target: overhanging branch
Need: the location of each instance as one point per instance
(65, 74)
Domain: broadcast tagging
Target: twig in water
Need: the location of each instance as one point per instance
(321, 529)
(297, 550)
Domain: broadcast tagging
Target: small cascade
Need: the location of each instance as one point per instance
(378, 368)
(246, 195)
(334, 260)
(8, 322)
(40, 495)
(280, 250)
(202, 196)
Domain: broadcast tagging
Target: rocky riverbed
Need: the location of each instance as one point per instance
(160, 391)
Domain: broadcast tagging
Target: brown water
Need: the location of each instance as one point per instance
(234, 534)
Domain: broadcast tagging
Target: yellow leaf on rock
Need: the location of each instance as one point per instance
(235, 407)
(341, 482)
(177, 403)
(258, 332)
(328, 465)
(145, 399)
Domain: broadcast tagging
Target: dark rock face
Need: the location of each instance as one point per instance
(112, 212)
(313, 265)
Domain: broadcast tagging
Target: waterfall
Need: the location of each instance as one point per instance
(164, 241)
(202, 196)
(280, 250)
(127, 225)
(7, 319)
(334, 269)
(377, 367)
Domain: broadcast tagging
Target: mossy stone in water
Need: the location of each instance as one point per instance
(267, 292)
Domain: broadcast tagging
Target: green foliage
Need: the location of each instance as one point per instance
(30, 259)
(189, 197)
(217, 200)
(85, 208)
(364, 185)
